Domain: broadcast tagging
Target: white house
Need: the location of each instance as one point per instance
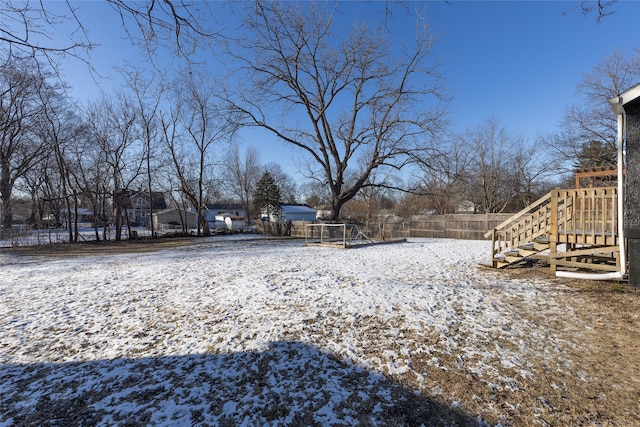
(215, 209)
(290, 213)
(139, 205)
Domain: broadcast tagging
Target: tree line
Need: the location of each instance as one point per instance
(368, 120)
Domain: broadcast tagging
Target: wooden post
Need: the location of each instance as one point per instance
(344, 235)
(553, 231)
(493, 248)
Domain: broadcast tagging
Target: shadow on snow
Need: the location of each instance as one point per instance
(286, 383)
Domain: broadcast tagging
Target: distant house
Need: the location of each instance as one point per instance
(466, 206)
(232, 209)
(174, 219)
(85, 215)
(289, 213)
(139, 206)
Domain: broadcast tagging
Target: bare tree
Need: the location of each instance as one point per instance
(313, 193)
(242, 174)
(345, 100)
(180, 24)
(147, 99)
(442, 180)
(113, 126)
(491, 181)
(598, 9)
(537, 171)
(42, 184)
(26, 28)
(90, 175)
(589, 124)
(23, 96)
(59, 128)
(192, 131)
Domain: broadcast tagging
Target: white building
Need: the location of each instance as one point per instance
(289, 213)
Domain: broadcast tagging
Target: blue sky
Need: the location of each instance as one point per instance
(518, 61)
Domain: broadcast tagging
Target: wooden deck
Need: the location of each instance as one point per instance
(570, 229)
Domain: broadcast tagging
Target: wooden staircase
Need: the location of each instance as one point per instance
(569, 229)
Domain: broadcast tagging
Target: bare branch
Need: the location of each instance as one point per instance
(350, 103)
(599, 9)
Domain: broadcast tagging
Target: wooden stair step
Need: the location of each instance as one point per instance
(540, 246)
(544, 240)
(527, 252)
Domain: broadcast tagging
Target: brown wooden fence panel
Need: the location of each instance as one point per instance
(454, 226)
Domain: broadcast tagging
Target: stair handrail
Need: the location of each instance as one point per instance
(529, 210)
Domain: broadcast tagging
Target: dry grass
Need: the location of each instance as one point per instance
(591, 378)
(595, 379)
(102, 247)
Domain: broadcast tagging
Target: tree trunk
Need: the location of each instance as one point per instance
(76, 232)
(336, 206)
(118, 223)
(206, 232)
(6, 188)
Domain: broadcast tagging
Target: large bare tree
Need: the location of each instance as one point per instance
(90, 176)
(114, 128)
(23, 97)
(31, 28)
(147, 97)
(351, 102)
(59, 129)
(491, 178)
(441, 181)
(194, 129)
(589, 126)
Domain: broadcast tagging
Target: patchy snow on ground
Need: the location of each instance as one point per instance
(250, 332)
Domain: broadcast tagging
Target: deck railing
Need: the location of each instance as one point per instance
(587, 216)
(530, 223)
(575, 217)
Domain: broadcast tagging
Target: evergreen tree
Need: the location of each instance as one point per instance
(267, 194)
(596, 154)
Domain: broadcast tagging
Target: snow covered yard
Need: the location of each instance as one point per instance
(262, 332)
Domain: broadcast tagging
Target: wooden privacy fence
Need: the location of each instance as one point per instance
(454, 226)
